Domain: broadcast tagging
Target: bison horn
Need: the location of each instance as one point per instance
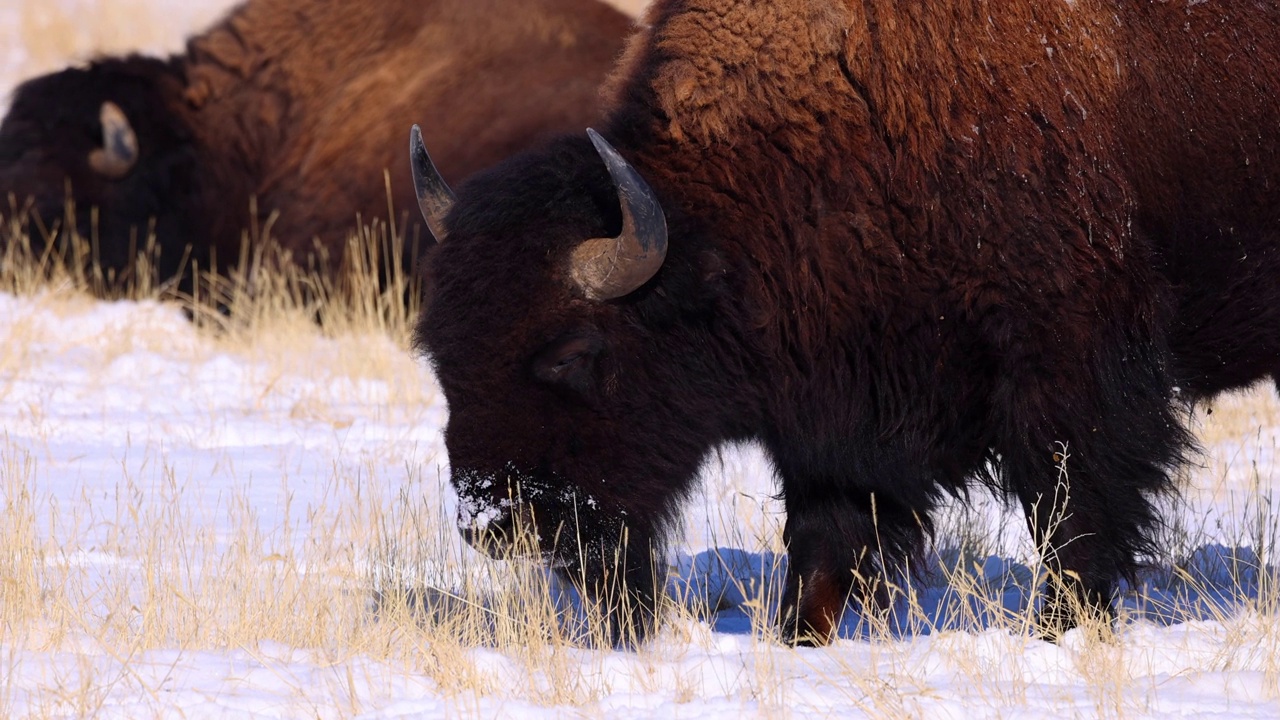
(434, 196)
(119, 151)
(608, 268)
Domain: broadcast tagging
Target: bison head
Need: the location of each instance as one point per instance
(102, 148)
(578, 357)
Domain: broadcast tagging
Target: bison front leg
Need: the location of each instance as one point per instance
(1085, 452)
(838, 545)
(821, 576)
(1082, 563)
(617, 576)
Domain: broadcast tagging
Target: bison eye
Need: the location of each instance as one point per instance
(567, 362)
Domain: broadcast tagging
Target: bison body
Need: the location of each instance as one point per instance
(909, 249)
(291, 104)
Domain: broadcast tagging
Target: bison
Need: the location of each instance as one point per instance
(910, 249)
(290, 103)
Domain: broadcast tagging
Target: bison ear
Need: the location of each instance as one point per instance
(608, 268)
(434, 196)
(119, 152)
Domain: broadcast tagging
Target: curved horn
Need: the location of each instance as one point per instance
(608, 268)
(434, 196)
(119, 151)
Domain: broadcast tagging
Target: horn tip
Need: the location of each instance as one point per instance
(602, 146)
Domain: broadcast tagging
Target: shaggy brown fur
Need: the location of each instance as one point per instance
(912, 245)
(299, 104)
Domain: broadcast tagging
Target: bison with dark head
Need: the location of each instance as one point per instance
(290, 103)
(907, 248)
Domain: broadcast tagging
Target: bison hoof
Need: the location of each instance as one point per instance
(1063, 613)
(796, 631)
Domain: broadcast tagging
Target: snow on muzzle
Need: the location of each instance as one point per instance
(497, 526)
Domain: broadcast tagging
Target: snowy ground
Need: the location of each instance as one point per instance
(196, 525)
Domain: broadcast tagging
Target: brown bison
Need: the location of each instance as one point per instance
(909, 248)
(292, 102)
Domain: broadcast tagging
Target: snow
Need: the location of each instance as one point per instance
(186, 519)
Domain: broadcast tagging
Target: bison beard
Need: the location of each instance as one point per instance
(908, 251)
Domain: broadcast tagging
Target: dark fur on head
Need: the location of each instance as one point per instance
(913, 249)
